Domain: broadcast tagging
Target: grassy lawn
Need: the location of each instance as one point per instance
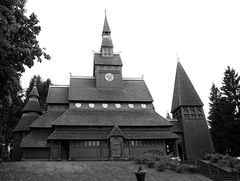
(85, 171)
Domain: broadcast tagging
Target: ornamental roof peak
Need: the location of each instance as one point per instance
(106, 28)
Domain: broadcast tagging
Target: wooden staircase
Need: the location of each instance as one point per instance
(213, 172)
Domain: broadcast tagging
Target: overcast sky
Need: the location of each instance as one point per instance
(205, 34)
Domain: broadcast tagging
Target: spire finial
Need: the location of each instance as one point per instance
(105, 12)
(177, 57)
(35, 82)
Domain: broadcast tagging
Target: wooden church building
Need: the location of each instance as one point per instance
(107, 116)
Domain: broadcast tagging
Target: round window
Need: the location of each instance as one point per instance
(131, 106)
(78, 105)
(143, 106)
(118, 106)
(105, 105)
(91, 105)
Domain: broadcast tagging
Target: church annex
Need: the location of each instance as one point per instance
(107, 116)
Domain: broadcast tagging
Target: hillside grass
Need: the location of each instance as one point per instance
(85, 171)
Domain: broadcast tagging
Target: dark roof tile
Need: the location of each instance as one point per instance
(184, 93)
(25, 121)
(114, 60)
(75, 117)
(34, 92)
(32, 106)
(77, 135)
(82, 89)
(57, 95)
(34, 140)
(46, 119)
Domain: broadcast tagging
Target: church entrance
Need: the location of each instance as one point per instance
(116, 147)
(64, 150)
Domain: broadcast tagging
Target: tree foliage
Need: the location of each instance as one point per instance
(42, 86)
(19, 48)
(224, 114)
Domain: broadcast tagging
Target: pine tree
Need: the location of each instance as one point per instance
(224, 114)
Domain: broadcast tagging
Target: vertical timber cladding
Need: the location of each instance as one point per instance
(86, 149)
(54, 150)
(138, 147)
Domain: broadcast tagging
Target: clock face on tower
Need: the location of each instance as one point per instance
(109, 76)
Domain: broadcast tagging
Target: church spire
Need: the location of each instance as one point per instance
(107, 45)
(106, 28)
(184, 93)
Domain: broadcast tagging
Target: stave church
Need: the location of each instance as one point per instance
(109, 117)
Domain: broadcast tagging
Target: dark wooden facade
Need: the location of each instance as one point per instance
(191, 125)
(106, 117)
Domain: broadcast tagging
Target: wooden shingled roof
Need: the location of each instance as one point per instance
(184, 93)
(32, 106)
(25, 121)
(106, 28)
(35, 140)
(58, 95)
(86, 135)
(77, 135)
(76, 117)
(114, 60)
(46, 120)
(83, 89)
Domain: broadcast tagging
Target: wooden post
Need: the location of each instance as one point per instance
(69, 150)
(176, 148)
(50, 154)
(59, 150)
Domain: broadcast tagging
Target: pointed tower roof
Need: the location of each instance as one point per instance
(31, 111)
(34, 92)
(106, 28)
(184, 93)
(32, 103)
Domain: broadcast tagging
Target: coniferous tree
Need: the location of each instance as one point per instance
(224, 114)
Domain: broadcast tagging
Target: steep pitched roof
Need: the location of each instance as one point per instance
(84, 89)
(32, 106)
(81, 117)
(106, 28)
(25, 121)
(116, 131)
(34, 92)
(57, 95)
(184, 93)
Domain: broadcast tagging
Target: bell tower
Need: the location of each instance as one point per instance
(187, 108)
(107, 65)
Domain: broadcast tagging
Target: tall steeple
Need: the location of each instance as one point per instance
(184, 93)
(107, 65)
(106, 28)
(107, 45)
(187, 108)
